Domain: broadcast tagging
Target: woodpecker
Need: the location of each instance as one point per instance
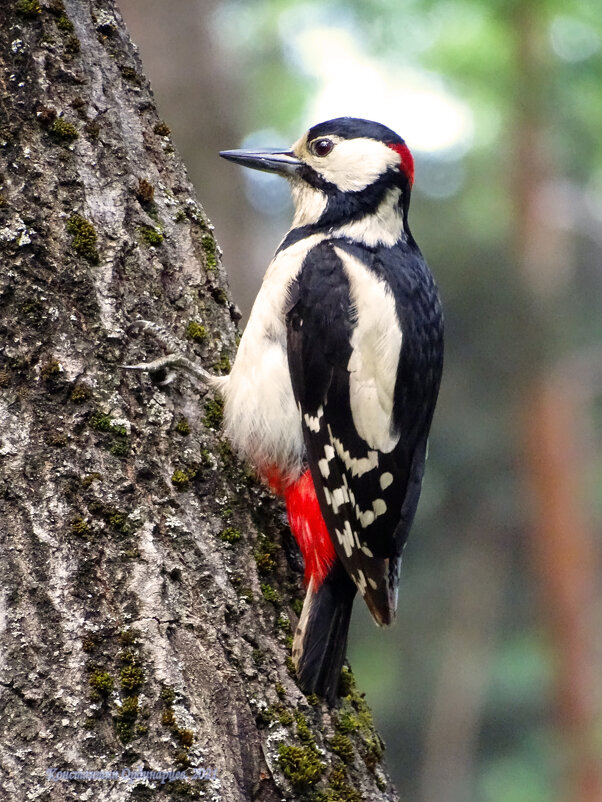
(333, 388)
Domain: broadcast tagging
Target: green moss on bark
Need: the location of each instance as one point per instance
(63, 132)
(300, 765)
(29, 9)
(83, 238)
(151, 236)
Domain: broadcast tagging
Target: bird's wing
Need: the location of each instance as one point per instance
(344, 345)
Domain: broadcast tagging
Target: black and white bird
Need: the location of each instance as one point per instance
(334, 385)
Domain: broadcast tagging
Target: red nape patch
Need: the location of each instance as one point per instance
(309, 529)
(406, 161)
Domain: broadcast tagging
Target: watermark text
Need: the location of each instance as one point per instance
(131, 775)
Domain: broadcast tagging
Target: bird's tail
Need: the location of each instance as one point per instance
(320, 642)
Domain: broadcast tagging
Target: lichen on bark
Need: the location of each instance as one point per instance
(138, 631)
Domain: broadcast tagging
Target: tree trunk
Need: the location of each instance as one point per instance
(148, 583)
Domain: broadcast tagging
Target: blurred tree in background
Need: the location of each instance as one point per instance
(488, 689)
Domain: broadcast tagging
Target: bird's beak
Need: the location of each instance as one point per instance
(283, 162)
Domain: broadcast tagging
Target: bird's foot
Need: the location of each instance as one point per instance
(174, 359)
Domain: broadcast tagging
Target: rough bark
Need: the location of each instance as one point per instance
(148, 583)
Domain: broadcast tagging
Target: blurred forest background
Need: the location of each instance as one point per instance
(489, 687)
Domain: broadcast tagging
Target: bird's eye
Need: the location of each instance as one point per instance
(322, 147)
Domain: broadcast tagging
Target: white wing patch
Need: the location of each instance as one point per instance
(379, 507)
(348, 539)
(356, 466)
(376, 345)
(339, 496)
(386, 479)
(367, 517)
(360, 581)
(313, 422)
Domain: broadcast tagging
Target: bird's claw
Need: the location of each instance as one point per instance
(174, 359)
(162, 363)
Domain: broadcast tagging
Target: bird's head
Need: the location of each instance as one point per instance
(343, 172)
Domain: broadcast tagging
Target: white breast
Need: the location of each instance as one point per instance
(261, 417)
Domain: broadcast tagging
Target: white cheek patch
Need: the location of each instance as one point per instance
(354, 164)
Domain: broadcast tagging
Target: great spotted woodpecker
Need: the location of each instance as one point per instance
(334, 385)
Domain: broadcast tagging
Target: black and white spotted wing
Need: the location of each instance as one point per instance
(367, 495)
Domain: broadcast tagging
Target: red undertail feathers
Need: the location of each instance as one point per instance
(309, 529)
